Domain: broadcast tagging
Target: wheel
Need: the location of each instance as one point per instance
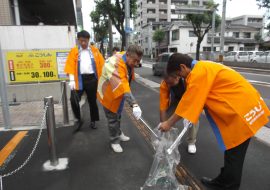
(254, 61)
(154, 72)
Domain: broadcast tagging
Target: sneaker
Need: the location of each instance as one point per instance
(117, 148)
(123, 137)
(192, 148)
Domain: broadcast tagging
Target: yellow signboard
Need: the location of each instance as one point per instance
(36, 66)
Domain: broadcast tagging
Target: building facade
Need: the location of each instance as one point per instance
(154, 14)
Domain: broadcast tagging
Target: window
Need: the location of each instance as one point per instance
(151, 2)
(154, 28)
(151, 20)
(233, 53)
(191, 34)
(163, 11)
(236, 34)
(231, 48)
(247, 35)
(206, 48)
(243, 53)
(175, 35)
(151, 11)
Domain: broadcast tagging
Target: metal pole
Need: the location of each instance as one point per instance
(17, 12)
(213, 34)
(223, 25)
(3, 93)
(127, 20)
(64, 103)
(110, 35)
(50, 121)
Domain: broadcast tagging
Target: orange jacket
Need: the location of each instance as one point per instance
(164, 98)
(233, 106)
(72, 66)
(113, 83)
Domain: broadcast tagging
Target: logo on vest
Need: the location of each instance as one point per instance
(254, 114)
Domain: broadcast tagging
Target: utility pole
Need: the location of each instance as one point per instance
(213, 33)
(127, 21)
(223, 25)
(110, 35)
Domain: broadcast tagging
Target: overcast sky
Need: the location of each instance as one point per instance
(234, 8)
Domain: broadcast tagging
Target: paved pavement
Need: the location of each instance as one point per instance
(92, 164)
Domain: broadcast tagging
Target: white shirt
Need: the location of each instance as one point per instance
(86, 65)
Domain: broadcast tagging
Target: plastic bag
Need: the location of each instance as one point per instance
(162, 172)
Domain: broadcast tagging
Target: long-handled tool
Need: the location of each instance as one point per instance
(149, 128)
(178, 139)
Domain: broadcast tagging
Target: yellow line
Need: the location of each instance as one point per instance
(11, 145)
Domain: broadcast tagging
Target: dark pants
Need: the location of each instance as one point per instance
(90, 88)
(114, 120)
(231, 173)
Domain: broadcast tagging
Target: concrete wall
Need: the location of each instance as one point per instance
(36, 37)
(14, 38)
(183, 44)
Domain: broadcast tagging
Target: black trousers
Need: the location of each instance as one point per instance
(90, 88)
(231, 173)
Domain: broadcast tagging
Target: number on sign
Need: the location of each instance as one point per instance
(34, 75)
(48, 74)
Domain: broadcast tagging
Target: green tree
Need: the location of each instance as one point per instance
(265, 4)
(116, 12)
(100, 28)
(158, 37)
(202, 23)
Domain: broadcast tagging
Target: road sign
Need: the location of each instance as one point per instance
(128, 30)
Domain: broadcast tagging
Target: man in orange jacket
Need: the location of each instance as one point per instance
(84, 64)
(114, 90)
(234, 108)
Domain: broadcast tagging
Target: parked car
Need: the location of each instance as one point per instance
(236, 56)
(253, 54)
(262, 58)
(230, 56)
(160, 65)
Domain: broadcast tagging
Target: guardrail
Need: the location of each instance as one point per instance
(248, 65)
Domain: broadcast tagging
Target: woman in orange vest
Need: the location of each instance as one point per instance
(114, 90)
(234, 108)
(84, 64)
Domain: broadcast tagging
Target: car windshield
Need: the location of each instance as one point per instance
(165, 58)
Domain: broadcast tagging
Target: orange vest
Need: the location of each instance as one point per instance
(233, 106)
(72, 66)
(164, 99)
(113, 82)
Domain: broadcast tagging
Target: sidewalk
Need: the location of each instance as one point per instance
(92, 164)
(28, 115)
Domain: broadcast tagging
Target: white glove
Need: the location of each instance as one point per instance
(72, 83)
(137, 112)
(187, 123)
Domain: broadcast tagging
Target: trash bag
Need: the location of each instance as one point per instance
(75, 104)
(162, 172)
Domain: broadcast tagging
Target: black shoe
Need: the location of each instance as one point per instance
(78, 124)
(212, 183)
(93, 125)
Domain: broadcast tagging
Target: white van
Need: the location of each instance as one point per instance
(236, 56)
(253, 54)
(262, 58)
